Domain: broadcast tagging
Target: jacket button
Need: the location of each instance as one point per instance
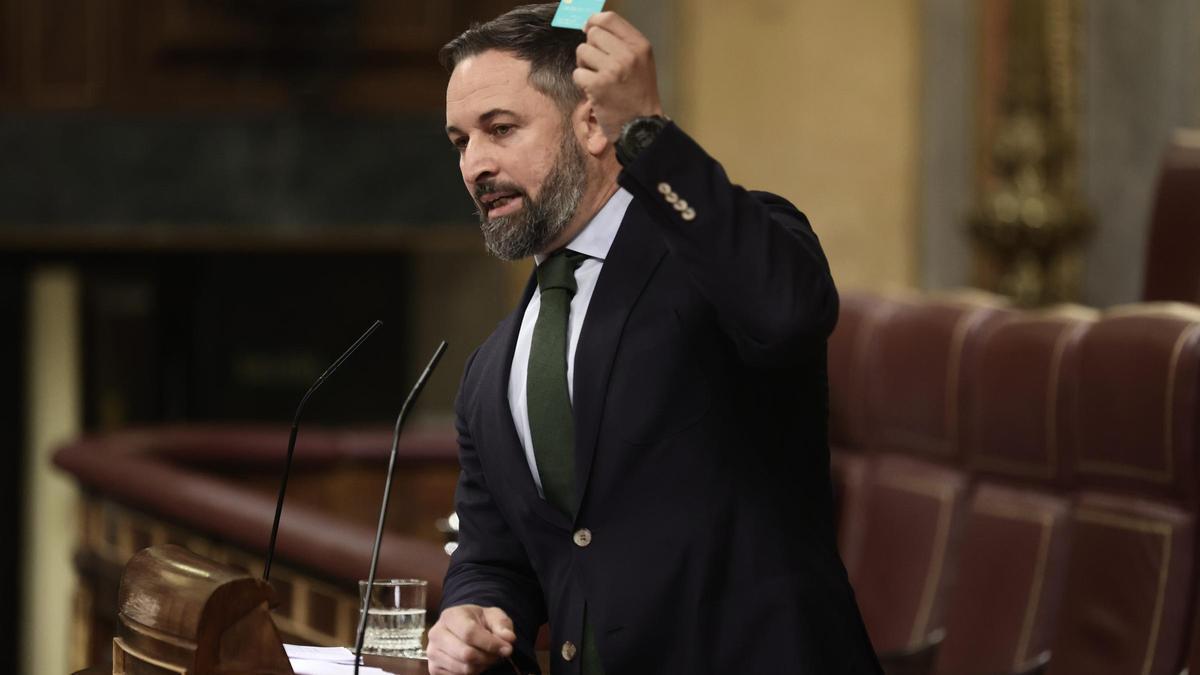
(681, 205)
(568, 650)
(664, 188)
(582, 537)
(689, 215)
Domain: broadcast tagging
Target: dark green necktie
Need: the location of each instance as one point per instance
(548, 397)
(551, 425)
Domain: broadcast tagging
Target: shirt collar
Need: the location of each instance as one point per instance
(597, 236)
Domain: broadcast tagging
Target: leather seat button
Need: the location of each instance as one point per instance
(582, 537)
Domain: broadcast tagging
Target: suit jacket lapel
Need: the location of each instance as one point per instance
(635, 254)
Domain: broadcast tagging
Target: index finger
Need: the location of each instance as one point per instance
(607, 41)
(613, 23)
(471, 631)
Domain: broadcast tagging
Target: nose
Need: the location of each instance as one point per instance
(478, 163)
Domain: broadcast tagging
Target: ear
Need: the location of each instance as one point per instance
(588, 131)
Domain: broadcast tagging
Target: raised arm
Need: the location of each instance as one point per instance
(752, 255)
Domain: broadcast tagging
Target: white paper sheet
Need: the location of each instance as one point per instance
(325, 661)
(334, 654)
(306, 667)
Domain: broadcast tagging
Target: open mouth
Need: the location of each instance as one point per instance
(501, 203)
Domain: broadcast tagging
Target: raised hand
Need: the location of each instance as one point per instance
(615, 68)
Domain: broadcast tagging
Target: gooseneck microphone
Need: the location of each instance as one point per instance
(291, 448)
(387, 495)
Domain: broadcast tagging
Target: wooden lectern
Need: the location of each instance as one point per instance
(182, 613)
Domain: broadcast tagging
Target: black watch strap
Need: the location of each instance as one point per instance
(637, 135)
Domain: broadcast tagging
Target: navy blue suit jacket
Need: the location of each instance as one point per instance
(702, 465)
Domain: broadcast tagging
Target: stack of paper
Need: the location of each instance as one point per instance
(325, 661)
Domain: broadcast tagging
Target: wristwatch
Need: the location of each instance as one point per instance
(637, 135)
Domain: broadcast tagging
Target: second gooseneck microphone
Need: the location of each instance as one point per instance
(291, 448)
(387, 494)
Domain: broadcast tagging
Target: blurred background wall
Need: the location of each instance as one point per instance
(202, 202)
(819, 102)
(1140, 81)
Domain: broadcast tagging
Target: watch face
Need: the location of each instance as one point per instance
(638, 134)
(650, 126)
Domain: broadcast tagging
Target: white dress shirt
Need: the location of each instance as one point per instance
(594, 241)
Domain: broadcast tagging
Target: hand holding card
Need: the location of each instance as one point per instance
(616, 71)
(575, 13)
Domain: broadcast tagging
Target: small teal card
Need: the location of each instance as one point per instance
(575, 13)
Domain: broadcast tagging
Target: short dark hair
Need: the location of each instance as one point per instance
(525, 32)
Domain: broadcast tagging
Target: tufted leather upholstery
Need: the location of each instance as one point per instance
(897, 396)
(1026, 480)
(852, 476)
(1081, 436)
(1131, 413)
(1020, 373)
(1000, 617)
(849, 346)
(859, 318)
(913, 516)
(1013, 552)
(1128, 589)
(1132, 427)
(915, 383)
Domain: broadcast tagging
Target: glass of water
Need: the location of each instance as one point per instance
(395, 617)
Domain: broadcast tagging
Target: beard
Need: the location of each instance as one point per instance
(531, 229)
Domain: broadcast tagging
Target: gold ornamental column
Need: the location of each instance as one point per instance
(1030, 221)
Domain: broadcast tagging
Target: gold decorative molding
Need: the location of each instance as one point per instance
(1030, 220)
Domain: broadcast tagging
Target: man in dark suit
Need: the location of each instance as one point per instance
(643, 440)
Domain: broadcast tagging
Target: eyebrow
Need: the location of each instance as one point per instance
(484, 118)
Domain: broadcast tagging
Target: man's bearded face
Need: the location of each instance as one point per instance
(525, 224)
(519, 153)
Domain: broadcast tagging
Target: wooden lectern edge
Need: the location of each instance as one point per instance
(184, 599)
